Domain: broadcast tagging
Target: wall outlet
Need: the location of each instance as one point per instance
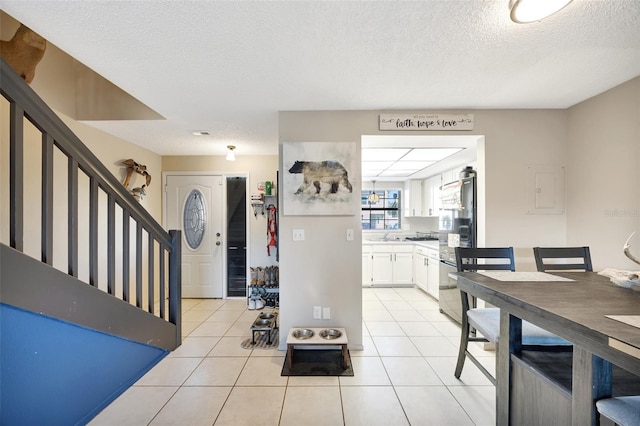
(317, 312)
(326, 313)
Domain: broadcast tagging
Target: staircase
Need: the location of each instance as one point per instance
(74, 337)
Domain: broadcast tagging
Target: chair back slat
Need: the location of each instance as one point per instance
(567, 259)
(467, 259)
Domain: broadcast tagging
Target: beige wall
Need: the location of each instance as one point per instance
(70, 87)
(603, 185)
(326, 269)
(257, 169)
(597, 142)
(111, 151)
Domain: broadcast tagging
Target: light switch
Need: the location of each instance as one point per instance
(326, 313)
(298, 235)
(349, 234)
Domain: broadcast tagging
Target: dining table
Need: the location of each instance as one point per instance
(599, 318)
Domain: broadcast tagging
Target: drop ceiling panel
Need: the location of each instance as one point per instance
(429, 154)
(383, 154)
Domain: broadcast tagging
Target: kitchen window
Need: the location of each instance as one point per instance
(383, 214)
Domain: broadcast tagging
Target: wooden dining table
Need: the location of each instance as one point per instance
(576, 306)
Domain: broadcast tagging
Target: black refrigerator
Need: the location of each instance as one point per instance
(458, 228)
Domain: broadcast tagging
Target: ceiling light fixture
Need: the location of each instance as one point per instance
(200, 133)
(231, 156)
(526, 11)
(373, 197)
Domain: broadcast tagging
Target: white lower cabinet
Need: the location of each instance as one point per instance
(433, 273)
(391, 264)
(403, 267)
(427, 270)
(420, 263)
(382, 268)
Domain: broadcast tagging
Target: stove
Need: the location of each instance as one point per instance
(424, 236)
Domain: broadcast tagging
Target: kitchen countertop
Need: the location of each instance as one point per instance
(426, 243)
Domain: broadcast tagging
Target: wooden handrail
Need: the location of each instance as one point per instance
(25, 103)
(38, 112)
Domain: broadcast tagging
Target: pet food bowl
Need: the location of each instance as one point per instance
(303, 333)
(330, 333)
(266, 316)
(262, 322)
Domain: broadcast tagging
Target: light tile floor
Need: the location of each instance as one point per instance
(404, 375)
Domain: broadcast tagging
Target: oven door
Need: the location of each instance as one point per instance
(449, 295)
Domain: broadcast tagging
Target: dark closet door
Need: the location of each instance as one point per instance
(236, 237)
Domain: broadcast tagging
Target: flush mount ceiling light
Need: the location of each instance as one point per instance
(231, 156)
(526, 11)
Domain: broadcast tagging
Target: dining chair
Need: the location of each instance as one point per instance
(573, 258)
(622, 410)
(486, 321)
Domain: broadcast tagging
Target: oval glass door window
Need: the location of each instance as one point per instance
(194, 219)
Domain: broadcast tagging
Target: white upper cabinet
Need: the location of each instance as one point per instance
(451, 175)
(413, 198)
(431, 195)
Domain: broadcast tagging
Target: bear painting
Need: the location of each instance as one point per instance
(316, 173)
(318, 178)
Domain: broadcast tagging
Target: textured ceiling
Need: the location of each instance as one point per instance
(228, 67)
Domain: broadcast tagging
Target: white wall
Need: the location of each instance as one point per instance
(603, 179)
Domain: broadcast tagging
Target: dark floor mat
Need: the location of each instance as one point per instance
(321, 362)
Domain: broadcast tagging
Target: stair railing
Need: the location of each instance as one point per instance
(163, 276)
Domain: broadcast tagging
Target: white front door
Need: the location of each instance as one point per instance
(194, 205)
